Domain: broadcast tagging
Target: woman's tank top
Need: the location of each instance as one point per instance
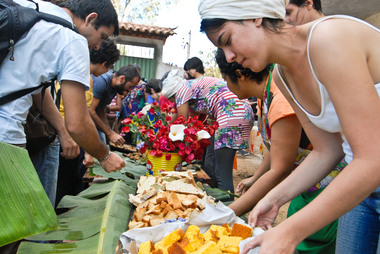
(328, 119)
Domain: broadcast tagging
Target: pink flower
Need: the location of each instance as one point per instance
(190, 158)
(139, 115)
(127, 121)
(168, 156)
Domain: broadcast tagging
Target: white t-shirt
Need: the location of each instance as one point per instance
(46, 51)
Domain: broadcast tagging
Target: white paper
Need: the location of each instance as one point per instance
(216, 214)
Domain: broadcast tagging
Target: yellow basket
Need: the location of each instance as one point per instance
(155, 165)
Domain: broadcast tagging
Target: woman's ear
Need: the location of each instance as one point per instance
(258, 22)
(239, 75)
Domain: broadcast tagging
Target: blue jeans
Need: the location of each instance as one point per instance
(102, 136)
(358, 230)
(46, 163)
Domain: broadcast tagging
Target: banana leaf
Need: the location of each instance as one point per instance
(218, 194)
(25, 209)
(130, 173)
(96, 218)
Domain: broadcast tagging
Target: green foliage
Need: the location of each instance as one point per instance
(96, 216)
(211, 67)
(25, 209)
(140, 11)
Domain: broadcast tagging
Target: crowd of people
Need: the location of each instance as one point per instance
(318, 112)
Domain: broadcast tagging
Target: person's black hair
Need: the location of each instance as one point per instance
(194, 63)
(129, 71)
(154, 84)
(230, 69)
(107, 15)
(316, 4)
(107, 52)
(138, 67)
(273, 25)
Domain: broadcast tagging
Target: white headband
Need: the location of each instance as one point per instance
(242, 9)
(172, 83)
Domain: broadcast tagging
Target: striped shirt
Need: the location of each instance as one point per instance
(211, 96)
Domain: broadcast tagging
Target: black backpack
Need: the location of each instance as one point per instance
(15, 21)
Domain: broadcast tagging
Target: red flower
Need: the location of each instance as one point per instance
(165, 108)
(125, 129)
(142, 150)
(158, 153)
(155, 134)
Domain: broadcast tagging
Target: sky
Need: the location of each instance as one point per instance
(183, 15)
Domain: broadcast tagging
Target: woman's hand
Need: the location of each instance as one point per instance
(264, 214)
(272, 241)
(244, 185)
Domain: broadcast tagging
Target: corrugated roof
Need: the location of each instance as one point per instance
(145, 31)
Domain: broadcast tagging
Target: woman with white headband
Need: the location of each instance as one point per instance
(328, 71)
(210, 96)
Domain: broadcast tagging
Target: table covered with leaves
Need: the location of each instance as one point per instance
(97, 216)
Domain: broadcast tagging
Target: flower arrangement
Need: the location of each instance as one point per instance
(187, 137)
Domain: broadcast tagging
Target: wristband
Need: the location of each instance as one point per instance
(105, 158)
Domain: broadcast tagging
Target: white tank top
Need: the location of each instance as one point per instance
(328, 119)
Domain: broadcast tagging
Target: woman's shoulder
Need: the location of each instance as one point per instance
(337, 27)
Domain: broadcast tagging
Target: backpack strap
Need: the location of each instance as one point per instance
(29, 16)
(18, 94)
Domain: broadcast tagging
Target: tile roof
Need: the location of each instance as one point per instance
(145, 31)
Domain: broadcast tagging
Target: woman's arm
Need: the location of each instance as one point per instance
(344, 69)
(183, 110)
(286, 133)
(245, 184)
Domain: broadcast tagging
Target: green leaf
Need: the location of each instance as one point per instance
(130, 173)
(94, 223)
(25, 209)
(216, 193)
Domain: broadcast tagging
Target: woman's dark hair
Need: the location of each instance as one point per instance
(194, 63)
(154, 84)
(107, 52)
(273, 25)
(107, 15)
(316, 4)
(230, 69)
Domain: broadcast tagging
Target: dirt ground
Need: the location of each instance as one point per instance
(247, 166)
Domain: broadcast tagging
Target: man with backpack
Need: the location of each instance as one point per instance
(48, 51)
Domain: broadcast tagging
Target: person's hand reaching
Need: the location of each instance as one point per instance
(113, 163)
(273, 241)
(263, 214)
(244, 185)
(116, 139)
